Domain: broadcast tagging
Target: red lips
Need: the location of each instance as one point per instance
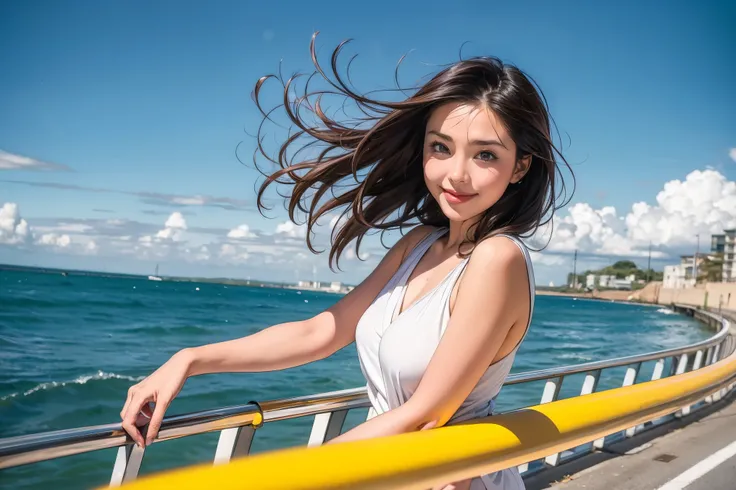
(456, 197)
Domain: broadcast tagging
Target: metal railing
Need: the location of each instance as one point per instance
(238, 424)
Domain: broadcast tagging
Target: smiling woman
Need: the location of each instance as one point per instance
(438, 323)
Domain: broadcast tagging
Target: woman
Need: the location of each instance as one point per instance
(469, 159)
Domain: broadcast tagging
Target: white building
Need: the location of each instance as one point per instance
(725, 243)
(609, 281)
(590, 281)
(678, 277)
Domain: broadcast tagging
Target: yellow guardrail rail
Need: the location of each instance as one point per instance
(420, 460)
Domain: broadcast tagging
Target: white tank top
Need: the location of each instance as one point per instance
(394, 349)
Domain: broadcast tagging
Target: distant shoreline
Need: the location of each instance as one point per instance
(205, 280)
(604, 295)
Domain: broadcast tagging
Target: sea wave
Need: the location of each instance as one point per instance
(99, 375)
(75, 303)
(666, 311)
(169, 330)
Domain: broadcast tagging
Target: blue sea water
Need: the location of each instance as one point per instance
(70, 346)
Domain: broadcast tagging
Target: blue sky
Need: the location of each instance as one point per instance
(132, 111)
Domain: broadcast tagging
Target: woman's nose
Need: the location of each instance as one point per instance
(458, 171)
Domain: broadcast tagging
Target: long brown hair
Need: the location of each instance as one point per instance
(370, 167)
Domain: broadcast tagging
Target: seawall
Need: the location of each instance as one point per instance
(712, 295)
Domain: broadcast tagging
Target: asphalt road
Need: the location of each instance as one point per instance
(664, 458)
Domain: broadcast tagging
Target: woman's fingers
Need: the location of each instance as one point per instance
(162, 403)
(130, 418)
(131, 391)
(144, 415)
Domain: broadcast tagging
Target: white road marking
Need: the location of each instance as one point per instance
(700, 468)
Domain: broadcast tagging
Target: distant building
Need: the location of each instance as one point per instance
(718, 243)
(590, 281)
(593, 281)
(605, 280)
(674, 277)
(621, 283)
(679, 276)
(728, 241)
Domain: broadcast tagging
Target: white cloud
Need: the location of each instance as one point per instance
(200, 254)
(172, 231)
(704, 203)
(232, 253)
(67, 237)
(54, 240)
(547, 259)
(65, 227)
(11, 161)
(732, 154)
(176, 220)
(189, 200)
(242, 231)
(289, 229)
(13, 229)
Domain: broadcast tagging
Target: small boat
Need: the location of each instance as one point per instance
(155, 276)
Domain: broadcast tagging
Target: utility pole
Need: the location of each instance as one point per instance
(649, 262)
(575, 270)
(695, 261)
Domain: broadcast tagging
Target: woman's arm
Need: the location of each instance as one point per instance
(491, 298)
(295, 343)
(278, 347)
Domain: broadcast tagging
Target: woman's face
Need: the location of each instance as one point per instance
(469, 159)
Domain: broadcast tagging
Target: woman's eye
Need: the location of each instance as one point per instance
(439, 148)
(486, 156)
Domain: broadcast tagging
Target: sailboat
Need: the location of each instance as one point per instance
(155, 276)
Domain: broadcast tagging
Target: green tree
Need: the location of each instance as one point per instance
(711, 268)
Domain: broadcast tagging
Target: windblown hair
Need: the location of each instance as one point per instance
(371, 165)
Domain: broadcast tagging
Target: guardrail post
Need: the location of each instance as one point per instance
(234, 442)
(709, 356)
(551, 393)
(696, 365)
(629, 379)
(717, 357)
(714, 359)
(326, 426)
(656, 374)
(590, 384)
(127, 464)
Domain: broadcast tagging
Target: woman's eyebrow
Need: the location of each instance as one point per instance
(474, 142)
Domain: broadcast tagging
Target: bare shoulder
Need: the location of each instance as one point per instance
(499, 254)
(495, 286)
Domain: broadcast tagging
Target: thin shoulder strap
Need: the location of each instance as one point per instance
(416, 254)
(398, 282)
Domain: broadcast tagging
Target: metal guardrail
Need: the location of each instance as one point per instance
(238, 424)
(422, 459)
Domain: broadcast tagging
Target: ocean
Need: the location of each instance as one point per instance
(70, 346)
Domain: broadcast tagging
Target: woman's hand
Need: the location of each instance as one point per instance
(161, 387)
